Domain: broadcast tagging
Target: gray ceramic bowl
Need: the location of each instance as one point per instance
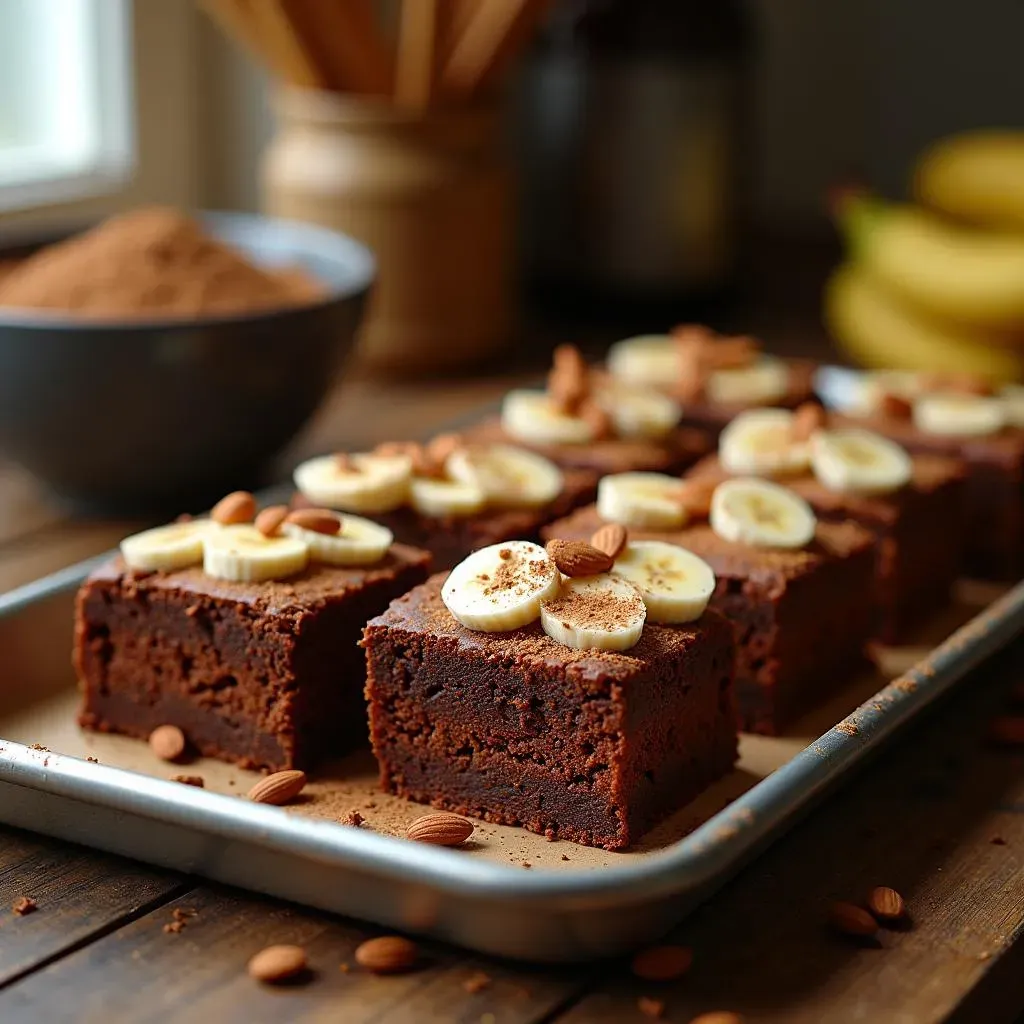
(161, 415)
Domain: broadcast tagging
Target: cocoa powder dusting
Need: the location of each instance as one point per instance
(154, 260)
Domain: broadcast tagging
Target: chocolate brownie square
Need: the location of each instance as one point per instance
(515, 728)
(267, 675)
(802, 617)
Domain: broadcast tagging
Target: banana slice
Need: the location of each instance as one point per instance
(760, 442)
(438, 498)
(166, 548)
(1012, 397)
(507, 476)
(859, 461)
(650, 360)
(243, 554)
(364, 483)
(752, 511)
(532, 417)
(643, 501)
(501, 587)
(639, 412)
(674, 583)
(765, 381)
(599, 613)
(959, 415)
(358, 542)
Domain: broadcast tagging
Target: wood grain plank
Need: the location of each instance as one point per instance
(80, 894)
(199, 974)
(941, 819)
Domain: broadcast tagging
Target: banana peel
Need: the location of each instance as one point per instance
(874, 329)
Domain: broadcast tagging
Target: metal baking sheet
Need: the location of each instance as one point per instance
(570, 903)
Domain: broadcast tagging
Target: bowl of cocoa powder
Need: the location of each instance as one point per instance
(157, 358)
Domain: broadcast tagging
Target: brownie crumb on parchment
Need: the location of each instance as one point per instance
(24, 905)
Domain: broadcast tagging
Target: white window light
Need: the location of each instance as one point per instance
(65, 99)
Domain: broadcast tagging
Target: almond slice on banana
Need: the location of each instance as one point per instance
(760, 442)
(765, 381)
(638, 412)
(439, 498)
(650, 360)
(366, 483)
(166, 548)
(532, 416)
(749, 510)
(959, 415)
(595, 613)
(859, 461)
(643, 501)
(507, 476)
(674, 583)
(358, 542)
(243, 554)
(501, 587)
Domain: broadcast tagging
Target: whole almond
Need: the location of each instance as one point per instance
(895, 406)
(237, 507)
(695, 497)
(599, 419)
(850, 919)
(277, 963)
(319, 520)
(886, 904)
(278, 788)
(299, 500)
(808, 418)
(269, 521)
(1007, 730)
(662, 963)
(440, 829)
(167, 742)
(387, 954)
(569, 379)
(610, 539)
(578, 558)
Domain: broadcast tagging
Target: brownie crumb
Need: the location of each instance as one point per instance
(564, 857)
(354, 818)
(476, 983)
(527, 864)
(369, 805)
(179, 918)
(190, 780)
(998, 841)
(653, 1008)
(24, 905)
(173, 927)
(39, 746)
(93, 760)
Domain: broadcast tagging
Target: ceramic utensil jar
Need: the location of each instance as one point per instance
(430, 193)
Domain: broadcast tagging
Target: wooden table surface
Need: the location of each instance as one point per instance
(939, 816)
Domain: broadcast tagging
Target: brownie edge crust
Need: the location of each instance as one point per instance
(513, 728)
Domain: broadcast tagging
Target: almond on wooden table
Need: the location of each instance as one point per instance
(278, 788)
(662, 963)
(319, 520)
(277, 963)
(387, 954)
(850, 919)
(578, 558)
(695, 497)
(886, 904)
(167, 742)
(237, 507)
(611, 539)
(269, 521)
(440, 829)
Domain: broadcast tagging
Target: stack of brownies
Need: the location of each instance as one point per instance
(719, 554)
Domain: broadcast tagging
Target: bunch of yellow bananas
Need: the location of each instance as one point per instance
(938, 285)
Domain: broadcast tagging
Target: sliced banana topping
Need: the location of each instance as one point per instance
(532, 416)
(644, 501)
(650, 360)
(674, 583)
(507, 476)
(358, 542)
(859, 462)
(760, 442)
(639, 412)
(959, 414)
(595, 613)
(365, 483)
(765, 381)
(761, 513)
(439, 498)
(243, 554)
(166, 548)
(501, 587)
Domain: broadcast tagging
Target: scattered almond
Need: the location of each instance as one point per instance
(190, 780)
(695, 497)
(237, 507)
(578, 558)
(895, 406)
(1007, 730)
(718, 1017)
(850, 919)
(277, 963)
(440, 829)
(319, 520)
(24, 905)
(569, 379)
(611, 539)
(653, 1008)
(886, 904)
(299, 500)
(387, 954)
(808, 418)
(269, 521)
(278, 788)
(662, 963)
(167, 742)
